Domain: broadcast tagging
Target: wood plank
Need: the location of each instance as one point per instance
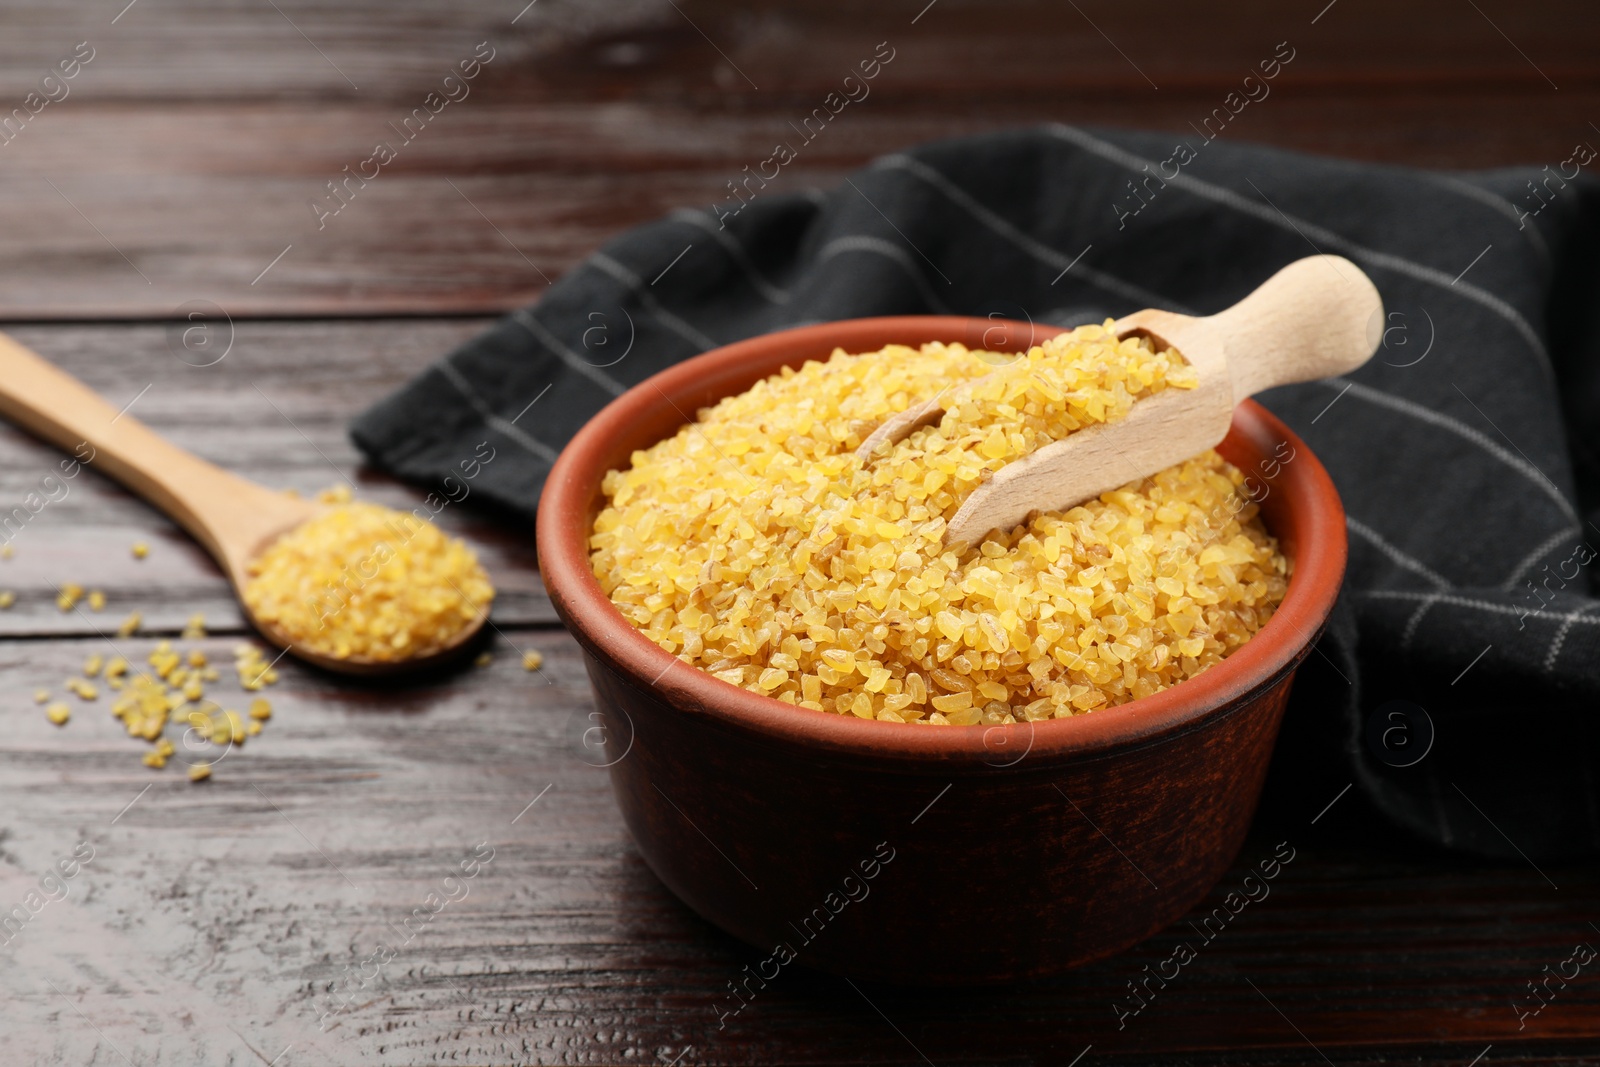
(234, 413)
(618, 48)
(595, 120)
(536, 188)
(230, 909)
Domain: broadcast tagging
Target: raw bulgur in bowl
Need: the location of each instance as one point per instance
(752, 808)
(755, 545)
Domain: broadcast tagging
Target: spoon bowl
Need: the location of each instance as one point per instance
(233, 518)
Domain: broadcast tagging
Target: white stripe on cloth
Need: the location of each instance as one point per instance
(1410, 563)
(1481, 605)
(606, 265)
(529, 321)
(1042, 252)
(1498, 203)
(1561, 638)
(1415, 621)
(1461, 429)
(700, 220)
(1544, 549)
(878, 246)
(502, 426)
(1309, 230)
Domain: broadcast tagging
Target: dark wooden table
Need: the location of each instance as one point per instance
(216, 924)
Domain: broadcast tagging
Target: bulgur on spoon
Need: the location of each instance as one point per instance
(351, 587)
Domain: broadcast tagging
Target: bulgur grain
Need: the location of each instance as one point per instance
(423, 589)
(756, 546)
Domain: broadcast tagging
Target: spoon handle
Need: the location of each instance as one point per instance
(1316, 318)
(219, 509)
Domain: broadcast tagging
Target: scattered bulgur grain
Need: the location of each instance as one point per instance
(130, 625)
(41, 696)
(195, 628)
(116, 667)
(335, 494)
(97, 600)
(366, 581)
(260, 708)
(92, 665)
(58, 713)
(199, 772)
(484, 659)
(164, 659)
(6, 551)
(140, 550)
(532, 661)
(756, 546)
(144, 707)
(154, 759)
(7, 598)
(69, 595)
(254, 672)
(218, 730)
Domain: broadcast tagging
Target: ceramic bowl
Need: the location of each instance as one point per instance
(929, 854)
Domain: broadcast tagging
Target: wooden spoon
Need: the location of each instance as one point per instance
(232, 518)
(1317, 317)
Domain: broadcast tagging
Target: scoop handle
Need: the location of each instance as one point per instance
(1316, 318)
(222, 511)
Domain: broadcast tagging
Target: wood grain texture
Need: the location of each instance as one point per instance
(298, 48)
(154, 183)
(214, 921)
(217, 918)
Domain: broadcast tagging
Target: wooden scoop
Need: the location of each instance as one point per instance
(232, 518)
(1316, 318)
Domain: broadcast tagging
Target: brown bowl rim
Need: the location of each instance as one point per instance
(566, 508)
